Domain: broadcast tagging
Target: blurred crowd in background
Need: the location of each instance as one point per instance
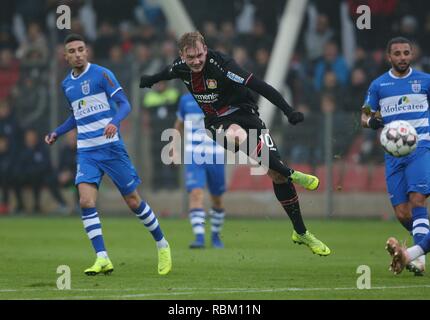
(126, 34)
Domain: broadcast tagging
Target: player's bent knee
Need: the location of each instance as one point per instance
(417, 200)
(236, 133)
(133, 204)
(277, 177)
(133, 201)
(86, 202)
(196, 198)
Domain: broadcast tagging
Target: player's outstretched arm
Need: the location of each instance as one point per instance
(271, 94)
(65, 127)
(147, 81)
(370, 120)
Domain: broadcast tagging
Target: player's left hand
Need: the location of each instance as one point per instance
(296, 117)
(51, 138)
(110, 131)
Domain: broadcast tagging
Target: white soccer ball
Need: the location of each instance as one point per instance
(399, 138)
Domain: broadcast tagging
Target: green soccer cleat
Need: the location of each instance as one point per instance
(102, 265)
(316, 246)
(164, 261)
(307, 181)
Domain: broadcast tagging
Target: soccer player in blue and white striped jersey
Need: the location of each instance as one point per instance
(198, 145)
(98, 105)
(403, 94)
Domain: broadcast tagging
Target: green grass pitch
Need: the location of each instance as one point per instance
(259, 261)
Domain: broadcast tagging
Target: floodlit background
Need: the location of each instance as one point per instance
(312, 51)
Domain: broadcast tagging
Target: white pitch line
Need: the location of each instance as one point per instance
(210, 291)
(87, 289)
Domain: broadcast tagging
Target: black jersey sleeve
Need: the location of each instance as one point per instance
(270, 93)
(168, 73)
(237, 74)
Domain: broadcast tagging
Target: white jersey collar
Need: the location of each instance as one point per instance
(395, 77)
(86, 69)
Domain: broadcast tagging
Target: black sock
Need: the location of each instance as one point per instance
(287, 196)
(276, 165)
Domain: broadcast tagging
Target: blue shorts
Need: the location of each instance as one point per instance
(197, 175)
(407, 174)
(114, 161)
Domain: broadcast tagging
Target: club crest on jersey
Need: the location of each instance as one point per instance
(211, 83)
(416, 87)
(85, 87)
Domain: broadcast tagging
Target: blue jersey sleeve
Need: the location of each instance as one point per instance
(109, 82)
(181, 109)
(65, 97)
(124, 108)
(372, 98)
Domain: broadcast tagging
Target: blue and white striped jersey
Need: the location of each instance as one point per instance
(90, 97)
(196, 139)
(405, 98)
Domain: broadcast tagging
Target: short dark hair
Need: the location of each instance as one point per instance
(74, 37)
(398, 40)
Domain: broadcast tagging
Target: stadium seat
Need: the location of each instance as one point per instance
(240, 179)
(355, 178)
(321, 174)
(355, 149)
(377, 179)
(263, 183)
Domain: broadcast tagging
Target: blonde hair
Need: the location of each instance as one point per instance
(190, 39)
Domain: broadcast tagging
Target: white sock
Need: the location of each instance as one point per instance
(422, 259)
(414, 252)
(162, 243)
(102, 254)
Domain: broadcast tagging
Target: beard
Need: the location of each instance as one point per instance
(401, 69)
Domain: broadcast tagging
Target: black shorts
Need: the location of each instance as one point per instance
(244, 118)
(247, 120)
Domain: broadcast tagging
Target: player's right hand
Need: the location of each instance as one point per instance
(375, 123)
(295, 117)
(146, 81)
(51, 138)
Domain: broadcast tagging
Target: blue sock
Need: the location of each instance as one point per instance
(217, 220)
(93, 228)
(197, 219)
(425, 243)
(407, 225)
(420, 226)
(149, 220)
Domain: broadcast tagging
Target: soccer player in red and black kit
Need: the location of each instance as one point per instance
(221, 88)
